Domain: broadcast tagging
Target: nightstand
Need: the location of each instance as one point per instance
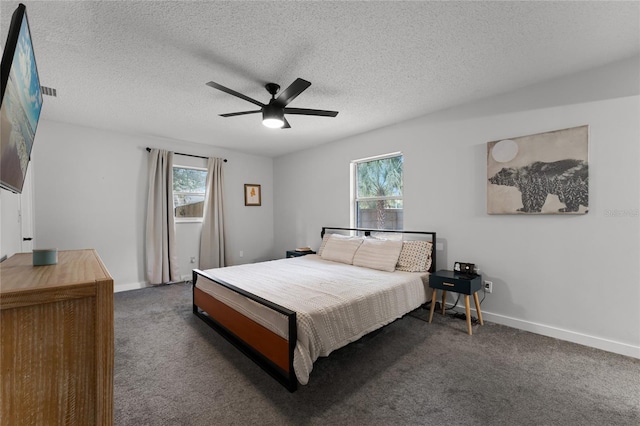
(453, 281)
(293, 253)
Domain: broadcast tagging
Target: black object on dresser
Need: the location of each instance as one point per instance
(460, 283)
(296, 253)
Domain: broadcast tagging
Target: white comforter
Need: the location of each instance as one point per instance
(335, 303)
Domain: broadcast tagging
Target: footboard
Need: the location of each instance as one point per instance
(267, 349)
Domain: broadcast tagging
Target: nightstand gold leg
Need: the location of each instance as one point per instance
(444, 297)
(475, 299)
(433, 304)
(468, 312)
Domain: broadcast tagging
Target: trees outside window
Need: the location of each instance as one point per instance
(378, 192)
(189, 186)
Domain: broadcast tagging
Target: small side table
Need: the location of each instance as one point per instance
(293, 253)
(452, 281)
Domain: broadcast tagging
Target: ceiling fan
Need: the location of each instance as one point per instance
(273, 112)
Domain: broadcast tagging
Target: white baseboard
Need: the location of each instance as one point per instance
(117, 288)
(559, 333)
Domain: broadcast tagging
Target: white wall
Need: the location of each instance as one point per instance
(574, 277)
(10, 234)
(16, 218)
(91, 192)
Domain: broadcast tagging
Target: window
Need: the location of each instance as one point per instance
(189, 185)
(377, 192)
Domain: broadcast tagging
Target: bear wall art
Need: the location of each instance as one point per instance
(546, 173)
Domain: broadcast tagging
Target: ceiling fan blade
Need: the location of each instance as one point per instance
(286, 124)
(233, 114)
(307, 111)
(291, 92)
(234, 93)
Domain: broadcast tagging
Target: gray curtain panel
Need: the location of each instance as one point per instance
(160, 240)
(212, 254)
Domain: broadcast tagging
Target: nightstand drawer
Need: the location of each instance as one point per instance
(450, 281)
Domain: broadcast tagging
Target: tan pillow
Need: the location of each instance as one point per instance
(325, 237)
(415, 256)
(378, 254)
(340, 248)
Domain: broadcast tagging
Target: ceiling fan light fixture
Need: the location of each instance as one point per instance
(273, 117)
(273, 123)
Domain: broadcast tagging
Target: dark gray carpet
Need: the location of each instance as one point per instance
(172, 369)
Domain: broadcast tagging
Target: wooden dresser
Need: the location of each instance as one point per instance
(56, 341)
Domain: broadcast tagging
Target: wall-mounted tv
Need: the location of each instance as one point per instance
(21, 102)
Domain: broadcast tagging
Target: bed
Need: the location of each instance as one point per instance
(284, 314)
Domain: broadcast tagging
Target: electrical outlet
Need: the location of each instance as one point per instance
(241, 253)
(193, 259)
(488, 286)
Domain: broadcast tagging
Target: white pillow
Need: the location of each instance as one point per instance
(340, 248)
(378, 254)
(415, 256)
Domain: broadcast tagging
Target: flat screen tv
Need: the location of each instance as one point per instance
(21, 103)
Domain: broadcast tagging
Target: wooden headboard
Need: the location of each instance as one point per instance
(405, 235)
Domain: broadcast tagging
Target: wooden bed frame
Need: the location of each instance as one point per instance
(267, 349)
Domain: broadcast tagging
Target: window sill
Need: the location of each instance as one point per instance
(188, 220)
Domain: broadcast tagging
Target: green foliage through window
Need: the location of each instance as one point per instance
(378, 188)
(189, 186)
(189, 180)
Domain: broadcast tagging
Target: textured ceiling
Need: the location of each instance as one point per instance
(141, 66)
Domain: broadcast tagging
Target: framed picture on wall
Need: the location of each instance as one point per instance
(251, 194)
(545, 173)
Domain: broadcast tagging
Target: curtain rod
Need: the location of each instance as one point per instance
(188, 155)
